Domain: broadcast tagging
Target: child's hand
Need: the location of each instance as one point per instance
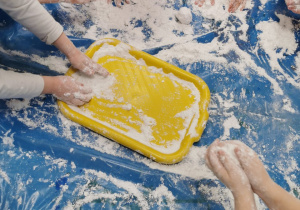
(221, 160)
(78, 59)
(293, 5)
(67, 89)
(201, 2)
(119, 2)
(226, 169)
(233, 4)
(253, 167)
(83, 63)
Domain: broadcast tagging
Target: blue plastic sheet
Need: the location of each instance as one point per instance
(45, 165)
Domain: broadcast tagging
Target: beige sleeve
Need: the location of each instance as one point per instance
(20, 85)
(33, 16)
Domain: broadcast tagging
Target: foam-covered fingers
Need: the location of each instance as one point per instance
(243, 5)
(228, 165)
(101, 70)
(84, 98)
(208, 151)
(118, 3)
(199, 2)
(293, 5)
(72, 92)
(294, 8)
(234, 5)
(83, 89)
(213, 157)
(83, 93)
(90, 67)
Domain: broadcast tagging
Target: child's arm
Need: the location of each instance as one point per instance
(24, 85)
(32, 15)
(20, 85)
(272, 194)
(231, 175)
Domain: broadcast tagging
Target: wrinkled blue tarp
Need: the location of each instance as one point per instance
(34, 182)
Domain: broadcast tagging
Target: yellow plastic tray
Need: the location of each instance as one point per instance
(158, 109)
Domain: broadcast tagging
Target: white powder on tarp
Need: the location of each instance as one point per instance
(4, 175)
(278, 39)
(158, 16)
(135, 193)
(190, 166)
(8, 139)
(229, 123)
(55, 63)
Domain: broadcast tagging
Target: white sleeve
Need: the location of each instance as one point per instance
(32, 15)
(20, 85)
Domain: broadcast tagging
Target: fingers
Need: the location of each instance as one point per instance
(72, 92)
(243, 5)
(83, 97)
(199, 2)
(83, 89)
(90, 67)
(235, 4)
(294, 8)
(228, 164)
(101, 70)
(214, 162)
(208, 151)
(118, 3)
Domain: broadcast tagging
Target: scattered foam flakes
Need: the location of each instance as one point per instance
(4, 175)
(8, 140)
(18, 104)
(229, 123)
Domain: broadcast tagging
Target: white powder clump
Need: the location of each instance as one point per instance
(8, 140)
(184, 15)
(230, 122)
(121, 50)
(100, 86)
(16, 104)
(275, 36)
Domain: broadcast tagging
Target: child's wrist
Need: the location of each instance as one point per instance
(244, 200)
(50, 83)
(267, 189)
